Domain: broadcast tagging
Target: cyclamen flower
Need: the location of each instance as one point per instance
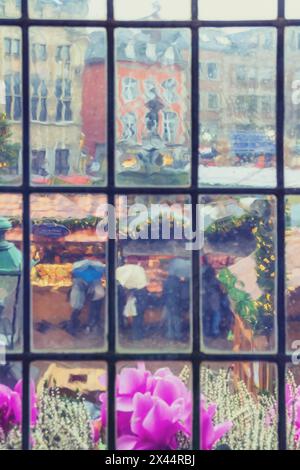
(210, 433)
(11, 406)
(151, 409)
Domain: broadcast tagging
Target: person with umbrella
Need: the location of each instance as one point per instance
(176, 297)
(87, 286)
(133, 297)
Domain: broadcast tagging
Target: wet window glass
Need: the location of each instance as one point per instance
(68, 275)
(66, 401)
(238, 272)
(160, 408)
(220, 10)
(11, 272)
(292, 107)
(292, 239)
(239, 408)
(10, 106)
(152, 10)
(292, 9)
(153, 109)
(69, 10)
(68, 106)
(10, 405)
(10, 8)
(153, 275)
(237, 107)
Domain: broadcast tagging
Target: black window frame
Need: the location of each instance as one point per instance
(281, 358)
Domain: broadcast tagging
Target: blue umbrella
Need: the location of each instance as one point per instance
(180, 267)
(88, 270)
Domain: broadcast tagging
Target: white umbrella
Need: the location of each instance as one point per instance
(132, 276)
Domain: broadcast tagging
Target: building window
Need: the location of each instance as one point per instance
(63, 53)
(63, 93)
(62, 166)
(170, 127)
(38, 162)
(12, 47)
(129, 126)
(39, 96)
(213, 101)
(129, 88)
(169, 93)
(212, 71)
(39, 52)
(13, 102)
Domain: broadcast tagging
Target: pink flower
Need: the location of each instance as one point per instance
(11, 406)
(292, 400)
(151, 409)
(210, 433)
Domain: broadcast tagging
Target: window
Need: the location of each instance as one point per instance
(39, 97)
(39, 52)
(63, 93)
(62, 162)
(63, 53)
(213, 101)
(13, 96)
(12, 47)
(129, 88)
(212, 71)
(200, 335)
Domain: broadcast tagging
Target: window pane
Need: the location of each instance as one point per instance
(10, 405)
(292, 270)
(10, 107)
(239, 406)
(292, 406)
(292, 9)
(237, 107)
(153, 117)
(223, 10)
(238, 272)
(68, 9)
(67, 399)
(68, 274)
(152, 10)
(160, 406)
(153, 274)
(68, 106)
(11, 282)
(292, 107)
(10, 8)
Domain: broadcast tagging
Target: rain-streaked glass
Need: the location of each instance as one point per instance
(68, 9)
(10, 8)
(68, 275)
(221, 10)
(160, 413)
(292, 242)
(10, 404)
(10, 106)
(152, 10)
(292, 107)
(67, 407)
(237, 107)
(68, 93)
(239, 406)
(11, 279)
(238, 273)
(153, 109)
(153, 275)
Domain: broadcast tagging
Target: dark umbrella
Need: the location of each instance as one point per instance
(180, 267)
